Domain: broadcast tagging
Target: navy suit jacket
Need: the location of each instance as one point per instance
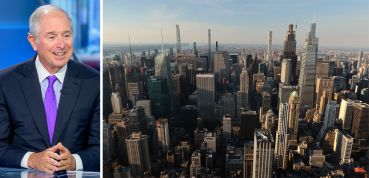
(23, 124)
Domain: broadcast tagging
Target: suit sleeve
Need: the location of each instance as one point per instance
(10, 155)
(91, 156)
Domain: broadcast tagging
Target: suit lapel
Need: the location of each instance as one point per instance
(68, 98)
(32, 92)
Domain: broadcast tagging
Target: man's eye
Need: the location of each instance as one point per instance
(67, 35)
(51, 37)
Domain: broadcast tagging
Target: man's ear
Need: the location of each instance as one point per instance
(32, 40)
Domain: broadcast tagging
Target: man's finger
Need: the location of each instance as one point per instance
(53, 155)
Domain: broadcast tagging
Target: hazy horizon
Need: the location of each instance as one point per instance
(341, 24)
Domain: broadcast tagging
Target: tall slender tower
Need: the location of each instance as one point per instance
(281, 137)
(210, 62)
(307, 73)
(178, 45)
(289, 52)
(293, 117)
(269, 52)
(359, 62)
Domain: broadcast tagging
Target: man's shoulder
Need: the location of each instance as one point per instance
(16, 71)
(83, 71)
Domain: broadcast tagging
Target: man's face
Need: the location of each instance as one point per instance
(54, 43)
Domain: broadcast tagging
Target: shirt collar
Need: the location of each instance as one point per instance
(43, 73)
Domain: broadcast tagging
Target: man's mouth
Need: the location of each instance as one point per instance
(59, 53)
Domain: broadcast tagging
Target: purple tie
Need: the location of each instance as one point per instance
(50, 106)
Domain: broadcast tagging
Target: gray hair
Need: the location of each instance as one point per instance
(34, 19)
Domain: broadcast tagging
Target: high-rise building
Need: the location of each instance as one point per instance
(146, 104)
(123, 129)
(162, 65)
(159, 94)
(116, 102)
(227, 126)
(269, 56)
(220, 58)
(289, 52)
(286, 71)
(293, 117)
(346, 113)
(138, 154)
(210, 61)
(106, 144)
(359, 61)
(307, 72)
(360, 122)
(343, 146)
(211, 142)
(195, 167)
(263, 154)
(285, 92)
(162, 129)
(324, 85)
(281, 137)
(248, 152)
(249, 122)
(244, 91)
(178, 45)
(329, 118)
(205, 85)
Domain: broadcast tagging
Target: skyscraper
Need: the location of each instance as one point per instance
(360, 128)
(248, 148)
(329, 117)
(293, 117)
(343, 146)
(162, 65)
(211, 142)
(178, 45)
(307, 73)
(162, 129)
(116, 102)
(227, 126)
(346, 113)
(263, 154)
(205, 85)
(195, 167)
(269, 56)
(210, 61)
(289, 52)
(244, 89)
(324, 85)
(281, 137)
(286, 71)
(138, 154)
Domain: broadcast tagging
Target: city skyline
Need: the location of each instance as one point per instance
(343, 24)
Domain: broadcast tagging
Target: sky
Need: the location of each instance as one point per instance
(340, 23)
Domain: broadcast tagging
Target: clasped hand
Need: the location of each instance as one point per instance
(49, 161)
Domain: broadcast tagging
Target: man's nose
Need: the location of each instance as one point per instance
(60, 43)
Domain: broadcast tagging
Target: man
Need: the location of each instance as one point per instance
(50, 105)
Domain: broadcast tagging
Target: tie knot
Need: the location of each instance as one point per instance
(51, 79)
